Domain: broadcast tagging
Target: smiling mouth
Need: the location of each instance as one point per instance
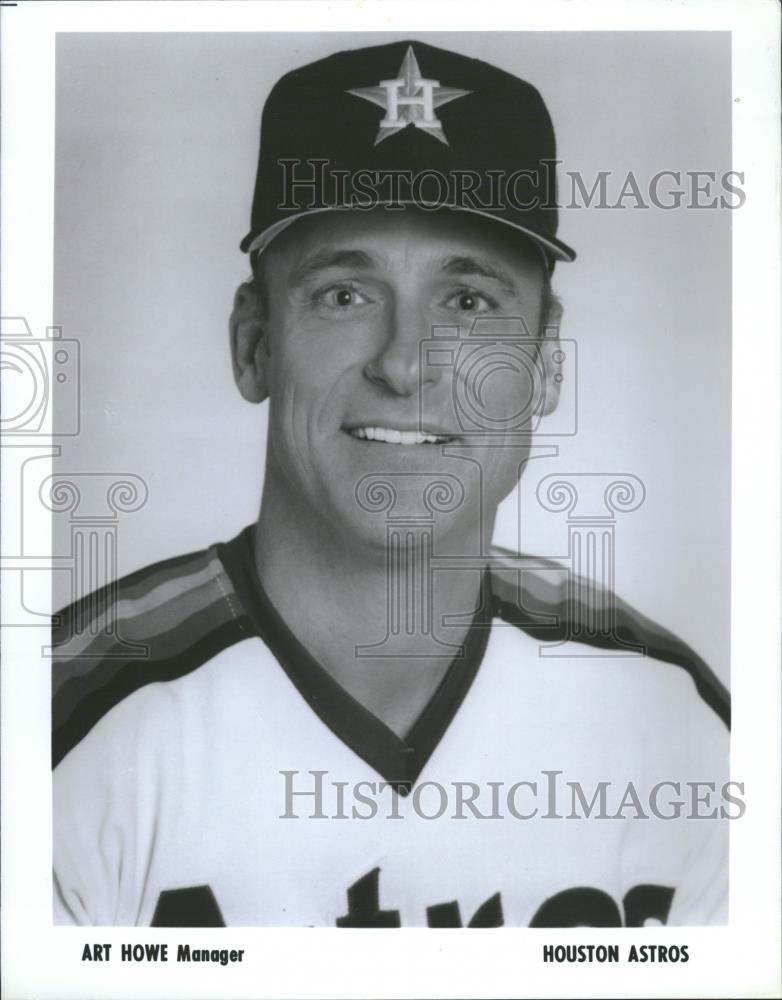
(387, 435)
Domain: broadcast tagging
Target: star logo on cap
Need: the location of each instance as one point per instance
(409, 100)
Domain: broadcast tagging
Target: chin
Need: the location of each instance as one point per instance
(407, 511)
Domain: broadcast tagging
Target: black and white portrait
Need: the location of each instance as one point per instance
(390, 499)
(394, 539)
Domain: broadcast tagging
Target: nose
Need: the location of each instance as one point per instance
(396, 367)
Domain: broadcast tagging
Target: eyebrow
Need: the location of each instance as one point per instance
(321, 260)
(466, 266)
(458, 266)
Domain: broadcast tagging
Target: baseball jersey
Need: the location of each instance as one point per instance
(210, 772)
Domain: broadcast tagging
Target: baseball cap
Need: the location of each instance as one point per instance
(406, 124)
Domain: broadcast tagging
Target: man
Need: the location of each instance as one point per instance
(342, 716)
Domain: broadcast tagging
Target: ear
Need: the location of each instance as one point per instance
(552, 358)
(249, 344)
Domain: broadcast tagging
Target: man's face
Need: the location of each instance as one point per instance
(349, 299)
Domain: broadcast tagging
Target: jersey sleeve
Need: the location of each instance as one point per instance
(701, 898)
(64, 915)
(104, 815)
(87, 857)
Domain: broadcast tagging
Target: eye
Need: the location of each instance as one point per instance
(468, 301)
(341, 297)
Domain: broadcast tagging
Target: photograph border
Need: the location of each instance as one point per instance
(44, 961)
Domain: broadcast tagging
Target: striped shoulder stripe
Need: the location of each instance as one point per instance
(551, 605)
(157, 624)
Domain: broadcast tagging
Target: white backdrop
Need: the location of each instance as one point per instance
(156, 146)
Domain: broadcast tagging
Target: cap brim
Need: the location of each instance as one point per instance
(553, 248)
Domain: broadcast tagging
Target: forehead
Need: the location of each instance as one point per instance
(406, 235)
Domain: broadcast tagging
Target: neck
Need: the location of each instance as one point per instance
(335, 595)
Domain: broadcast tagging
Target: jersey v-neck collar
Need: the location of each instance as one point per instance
(399, 761)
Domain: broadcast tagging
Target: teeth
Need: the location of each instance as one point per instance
(390, 436)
